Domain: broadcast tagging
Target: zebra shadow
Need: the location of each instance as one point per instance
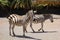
(27, 37)
(43, 32)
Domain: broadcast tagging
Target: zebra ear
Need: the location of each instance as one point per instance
(35, 11)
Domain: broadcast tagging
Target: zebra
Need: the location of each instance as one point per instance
(15, 19)
(41, 18)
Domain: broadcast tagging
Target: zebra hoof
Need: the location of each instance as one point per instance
(43, 31)
(23, 35)
(26, 32)
(38, 30)
(10, 34)
(34, 31)
(14, 35)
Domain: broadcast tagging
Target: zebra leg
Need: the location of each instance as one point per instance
(13, 30)
(24, 30)
(10, 29)
(41, 27)
(31, 27)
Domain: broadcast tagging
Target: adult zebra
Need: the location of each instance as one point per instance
(40, 18)
(18, 20)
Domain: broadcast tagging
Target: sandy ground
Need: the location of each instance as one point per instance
(52, 31)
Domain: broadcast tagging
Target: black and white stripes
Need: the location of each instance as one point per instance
(29, 17)
(41, 18)
(18, 20)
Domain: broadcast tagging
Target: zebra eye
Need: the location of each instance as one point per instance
(11, 17)
(34, 20)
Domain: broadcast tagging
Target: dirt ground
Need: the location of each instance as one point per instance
(52, 31)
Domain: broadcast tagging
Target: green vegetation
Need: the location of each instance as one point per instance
(6, 5)
(4, 2)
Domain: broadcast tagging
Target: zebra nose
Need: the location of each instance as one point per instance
(52, 21)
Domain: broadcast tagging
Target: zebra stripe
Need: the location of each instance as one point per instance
(13, 18)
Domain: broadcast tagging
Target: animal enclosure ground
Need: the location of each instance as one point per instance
(52, 31)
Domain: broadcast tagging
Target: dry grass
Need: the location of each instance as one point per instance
(54, 3)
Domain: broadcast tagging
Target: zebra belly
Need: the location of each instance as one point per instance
(21, 23)
(35, 22)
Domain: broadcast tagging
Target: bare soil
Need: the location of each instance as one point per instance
(52, 31)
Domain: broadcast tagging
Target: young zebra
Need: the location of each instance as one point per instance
(40, 18)
(18, 20)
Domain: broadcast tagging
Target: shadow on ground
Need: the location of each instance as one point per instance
(43, 32)
(28, 37)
